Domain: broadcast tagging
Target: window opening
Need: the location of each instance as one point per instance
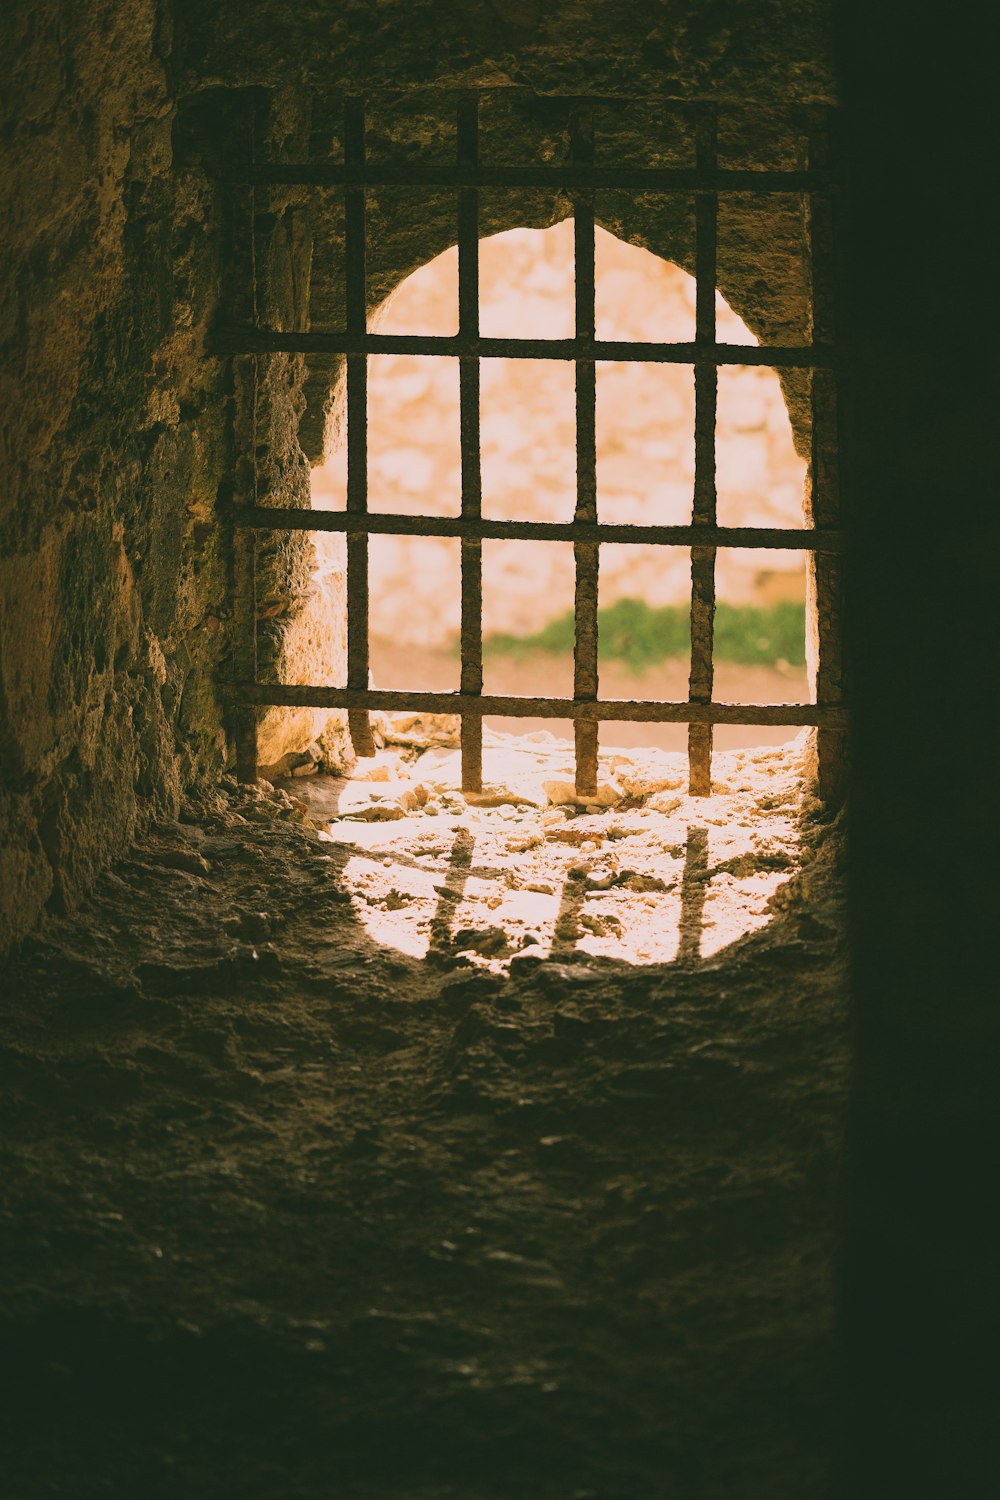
(585, 531)
(645, 471)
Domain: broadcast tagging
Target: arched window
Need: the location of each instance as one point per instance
(720, 362)
(645, 470)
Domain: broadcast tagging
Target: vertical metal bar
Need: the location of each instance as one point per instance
(586, 554)
(472, 492)
(824, 575)
(245, 493)
(704, 508)
(357, 430)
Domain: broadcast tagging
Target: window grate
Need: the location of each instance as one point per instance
(823, 541)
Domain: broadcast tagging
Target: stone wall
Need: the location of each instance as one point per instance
(110, 586)
(118, 443)
(920, 1290)
(121, 251)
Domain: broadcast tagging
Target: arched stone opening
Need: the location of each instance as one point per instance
(409, 231)
(765, 296)
(645, 474)
(696, 879)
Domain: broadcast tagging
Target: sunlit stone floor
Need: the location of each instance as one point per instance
(506, 877)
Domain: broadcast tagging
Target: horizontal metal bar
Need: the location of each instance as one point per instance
(574, 176)
(381, 523)
(645, 710)
(235, 340)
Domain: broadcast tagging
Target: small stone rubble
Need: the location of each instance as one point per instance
(526, 869)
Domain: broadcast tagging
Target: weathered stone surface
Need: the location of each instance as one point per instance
(101, 471)
(267, 1183)
(561, 793)
(121, 250)
(777, 48)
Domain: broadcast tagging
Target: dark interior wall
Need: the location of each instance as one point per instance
(116, 427)
(921, 1291)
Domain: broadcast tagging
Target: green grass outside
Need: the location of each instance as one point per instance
(635, 633)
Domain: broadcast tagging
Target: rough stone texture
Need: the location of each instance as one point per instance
(122, 251)
(921, 1292)
(279, 1204)
(618, 48)
(111, 582)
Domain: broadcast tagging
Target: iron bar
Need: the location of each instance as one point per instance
(292, 695)
(357, 429)
(387, 523)
(571, 177)
(586, 554)
(472, 490)
(823, 541)
(701, 677)
(229, 339)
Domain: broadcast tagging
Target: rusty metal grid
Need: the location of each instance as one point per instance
(824, 541)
